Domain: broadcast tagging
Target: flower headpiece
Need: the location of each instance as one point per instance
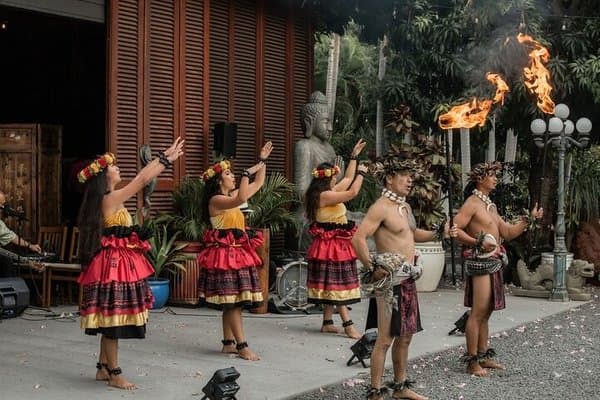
(482, 170)
(391, 164)
(216, 169)
(96, 166)
(321, 173)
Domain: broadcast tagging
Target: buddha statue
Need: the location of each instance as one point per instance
(315, 148)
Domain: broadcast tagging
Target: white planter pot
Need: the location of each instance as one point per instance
(433, 259)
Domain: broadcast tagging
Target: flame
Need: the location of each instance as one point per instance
(537, 76)
(474, 112)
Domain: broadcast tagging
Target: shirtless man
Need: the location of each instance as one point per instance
(395, 313)
(483, 230)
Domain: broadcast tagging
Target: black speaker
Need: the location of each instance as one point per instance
(14, 297)
(225, 138)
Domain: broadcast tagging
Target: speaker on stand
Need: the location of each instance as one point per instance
(225, 138)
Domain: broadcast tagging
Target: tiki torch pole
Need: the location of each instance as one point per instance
(450, 205)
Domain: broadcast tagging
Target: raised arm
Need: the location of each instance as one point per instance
(149, 172)
(245, 189)
(331, 197)
(260, 169)
(350, 172)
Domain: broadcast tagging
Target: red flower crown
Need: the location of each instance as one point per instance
(96, 166)
(321, 173)
(216, 169)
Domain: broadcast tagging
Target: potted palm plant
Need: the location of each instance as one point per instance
(168, 260)
(187, 203)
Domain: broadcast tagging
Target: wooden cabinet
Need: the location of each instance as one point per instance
(30, 174)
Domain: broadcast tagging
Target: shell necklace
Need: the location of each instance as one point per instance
(400, 200)
(488, 202)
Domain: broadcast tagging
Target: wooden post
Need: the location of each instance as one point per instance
(263, 273)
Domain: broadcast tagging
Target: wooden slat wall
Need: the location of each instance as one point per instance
(244, 83)
(193, 86)
(275, 84)
(176, 67)
(161, 79)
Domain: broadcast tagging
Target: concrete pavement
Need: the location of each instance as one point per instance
(51, 359)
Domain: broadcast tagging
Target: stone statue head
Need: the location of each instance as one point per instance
(314, 117)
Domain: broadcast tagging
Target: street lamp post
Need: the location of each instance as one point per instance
(560, 136)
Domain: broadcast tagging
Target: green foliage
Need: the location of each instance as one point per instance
(271, 206)
(356, 93)
(165, 255)
(583, 196)
(187, 201)
(425, 198)
(369, 192)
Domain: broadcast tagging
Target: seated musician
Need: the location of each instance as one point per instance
(7, 236)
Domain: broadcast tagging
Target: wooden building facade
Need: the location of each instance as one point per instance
(177, 67)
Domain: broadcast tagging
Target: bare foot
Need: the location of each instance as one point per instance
(247, 354)
(330, 329)
(490, 363)
(475, 369)
(352, 332)
(406, 393)
(101, 375)
(229, 348)
(120, 382)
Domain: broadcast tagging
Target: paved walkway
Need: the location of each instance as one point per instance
(51, 359)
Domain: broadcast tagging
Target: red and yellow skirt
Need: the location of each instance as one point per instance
(116, 296)
(332, 272)
(228, 273)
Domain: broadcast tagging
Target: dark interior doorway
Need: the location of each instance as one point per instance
(53, 70)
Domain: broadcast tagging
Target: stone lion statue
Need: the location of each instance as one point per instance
(542, 278)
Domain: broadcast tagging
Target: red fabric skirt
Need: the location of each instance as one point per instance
(228, 249)
(332, 242)
(332, 273)
(119, 260)
(116, 296)
(228, 273)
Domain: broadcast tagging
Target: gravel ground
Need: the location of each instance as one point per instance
(552, 358)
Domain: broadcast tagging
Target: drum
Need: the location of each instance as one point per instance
(291, 284)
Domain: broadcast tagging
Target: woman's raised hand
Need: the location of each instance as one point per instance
(266, 151)
(176, 149)
(358, 147)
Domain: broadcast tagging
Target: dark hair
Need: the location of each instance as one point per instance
(313, 193)
(211, 188)
(471, 185)
(91, 218)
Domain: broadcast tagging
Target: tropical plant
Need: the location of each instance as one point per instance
(187, 202)
(272, 205)
(583, 189)
(165, 255)
(429, 184)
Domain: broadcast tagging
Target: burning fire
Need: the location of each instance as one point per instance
(537, 76)
(474, 112)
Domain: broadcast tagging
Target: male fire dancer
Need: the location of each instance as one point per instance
(482, 229)
(395, 308)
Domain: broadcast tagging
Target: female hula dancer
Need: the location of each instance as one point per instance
(228, 278)
(332, 272)
(116, 297)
